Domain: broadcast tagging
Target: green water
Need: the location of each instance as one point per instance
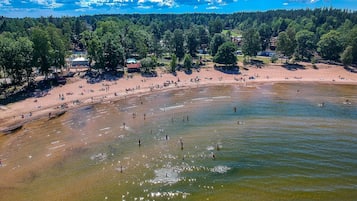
(279, 144)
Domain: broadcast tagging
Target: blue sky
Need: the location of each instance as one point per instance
(37, 8)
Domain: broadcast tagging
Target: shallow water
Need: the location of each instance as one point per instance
(278, 145)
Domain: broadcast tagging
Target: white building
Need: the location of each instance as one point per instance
(80, 62)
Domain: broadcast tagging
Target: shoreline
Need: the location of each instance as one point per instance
(78, 93)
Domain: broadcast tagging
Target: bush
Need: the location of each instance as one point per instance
(273, 58)
(245, 61)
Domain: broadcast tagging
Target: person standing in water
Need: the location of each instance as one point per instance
(181, 143)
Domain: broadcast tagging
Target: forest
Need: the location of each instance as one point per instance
(32, 46)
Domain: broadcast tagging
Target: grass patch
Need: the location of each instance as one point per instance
(234, 32)
(265, 60)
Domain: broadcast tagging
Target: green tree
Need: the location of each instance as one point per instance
(226, 54)
(251, 42)
(352, 40)
(330, 46)
(192, 41)
(24, 57)
(148, 64)
(168, 41)
(141, 41)
(187, 62)
(16, 58)
(94, 48)
(203, 35)
(217, 40)
(155, 29)
(79, 26)
(112, 51)
(178, 40)
(8, 54)
(41, 50)
(265, 33)
(347, 56)
(215, 26)
(305, 44)
(286, 42)
(173, 63)
(57, 51)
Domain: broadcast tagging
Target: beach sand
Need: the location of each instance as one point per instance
(77, 92)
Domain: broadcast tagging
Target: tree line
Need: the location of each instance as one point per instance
(29, 44)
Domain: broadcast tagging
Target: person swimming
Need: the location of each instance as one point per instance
(213, 156)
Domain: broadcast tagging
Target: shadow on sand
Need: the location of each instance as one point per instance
(38, 89)
(232, 70)
(352, 69)
(93, 77)
(294, 67)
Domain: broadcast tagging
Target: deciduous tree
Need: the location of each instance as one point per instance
(41, 50)
(187, 62)
(178, 40)
(347, 56)
(226, 54)
(217, 40)
(305, 44)
(286, 42)
(251, 42)
(330, 46)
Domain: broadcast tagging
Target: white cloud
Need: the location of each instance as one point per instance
(213, 8)
(144, 7)
(47, 3)
(168, 3)
(302, 1)
(5, 3)
(112, 3)
(285, 4)
(215, 2)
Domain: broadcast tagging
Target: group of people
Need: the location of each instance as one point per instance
(61, 96)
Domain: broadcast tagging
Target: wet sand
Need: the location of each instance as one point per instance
(77, 92)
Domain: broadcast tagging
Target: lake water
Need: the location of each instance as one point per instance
(269, 142)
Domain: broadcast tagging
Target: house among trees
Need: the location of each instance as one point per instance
(133, 65)
(236, 40)
(80, 62)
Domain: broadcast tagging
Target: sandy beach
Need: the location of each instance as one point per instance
(77, 92)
